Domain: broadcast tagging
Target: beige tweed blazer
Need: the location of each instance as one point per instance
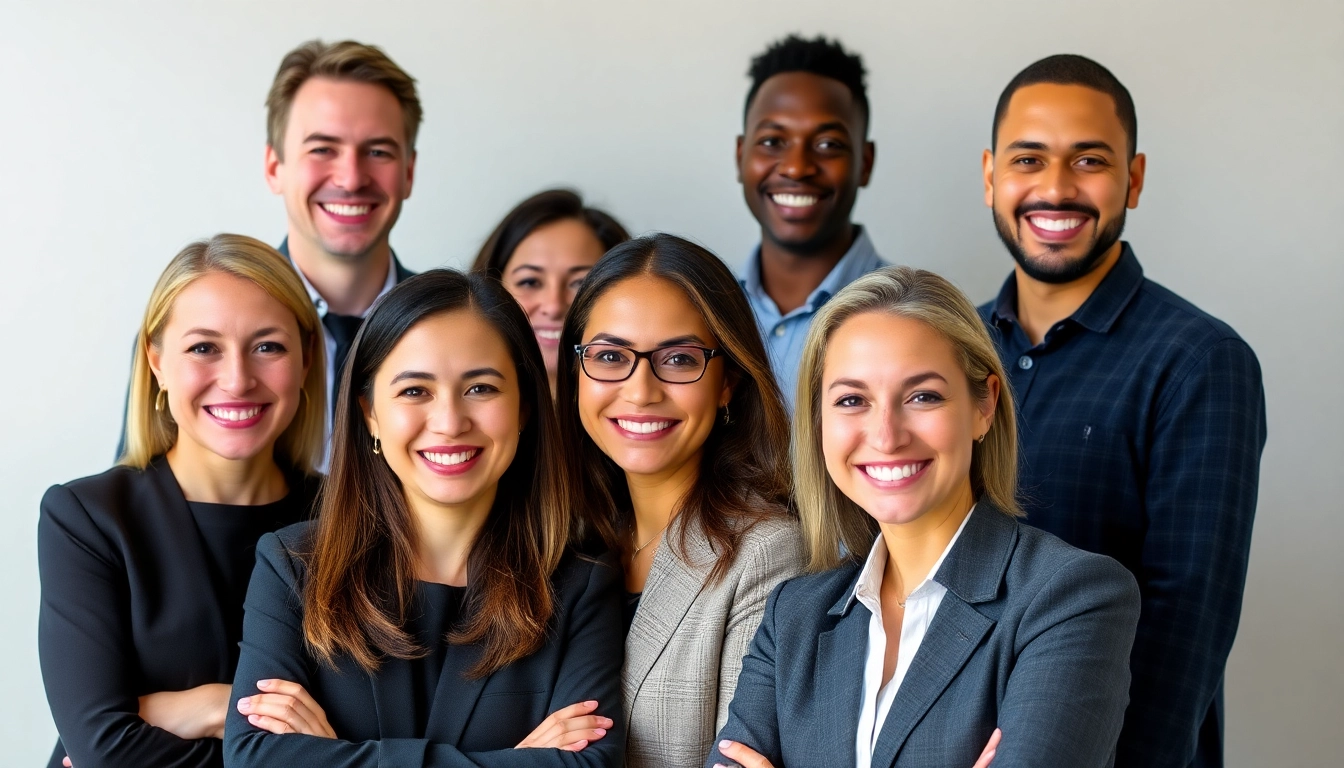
(687, 640)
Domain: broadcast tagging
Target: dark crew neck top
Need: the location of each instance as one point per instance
(434, 610)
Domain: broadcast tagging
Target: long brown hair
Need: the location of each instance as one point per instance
(535, 212)
(362, 567)
(744, 472)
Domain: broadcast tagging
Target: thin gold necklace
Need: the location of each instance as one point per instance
(640, 548)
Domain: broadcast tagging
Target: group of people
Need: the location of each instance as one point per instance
(600, 502)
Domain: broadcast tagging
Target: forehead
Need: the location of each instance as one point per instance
(559, 244)
(447, 344)
(347, 110)
(1064, 113)
(803, 99)
(220, 302)
(878, 347)
(646, 310)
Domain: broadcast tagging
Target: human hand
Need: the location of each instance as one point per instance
(196, 713)
(285, 707)
(571, 728)
(742, 754)
(987, 756)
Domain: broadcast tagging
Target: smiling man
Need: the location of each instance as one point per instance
(340, 150)
(1142, 418)
(802, 157)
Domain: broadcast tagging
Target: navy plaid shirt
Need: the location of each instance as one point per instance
(1141, 422)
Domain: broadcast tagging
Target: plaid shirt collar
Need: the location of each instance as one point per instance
(1101, 309)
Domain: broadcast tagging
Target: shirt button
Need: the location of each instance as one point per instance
(1024, 362)
(779, 330)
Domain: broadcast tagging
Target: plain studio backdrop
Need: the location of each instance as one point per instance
(134, 128)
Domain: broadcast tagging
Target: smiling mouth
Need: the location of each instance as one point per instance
(644, 427)
(893, 472)
(234, 414)
(787, 200)
(347, 210)
(450, 459)
(549, 335)
(1056, 225)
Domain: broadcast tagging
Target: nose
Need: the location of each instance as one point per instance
(1058, 183)
(642, 388)
(797, 162)
(450, 418)
(887, 432)
(236, 376)
(553, 304)
(348, 172)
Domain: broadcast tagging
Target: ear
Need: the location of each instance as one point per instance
(271, 170)
(987, 160)
(729, 384)
(869, 153)
(739, 159)
(410, 174)
(990, 404)
(155, 358)
(1137, 167)
(370, 418)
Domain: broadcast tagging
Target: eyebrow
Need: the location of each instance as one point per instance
(918, 378)
(425, 376)
(213, 334)
(535, 268)
(1078, 146)
(378, 141)
(606, 338)
(834, 125)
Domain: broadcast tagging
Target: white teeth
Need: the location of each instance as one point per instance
(1055, 225)
(552, 335)
(794, 201)
(886, 474)
(643, 427)
(234, 414)
(449, 459)
(345, 210)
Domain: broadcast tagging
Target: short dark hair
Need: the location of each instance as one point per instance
(1072, 69)
(819, 56)
(536, 212)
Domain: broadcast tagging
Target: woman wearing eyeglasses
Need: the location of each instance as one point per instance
(666, 395)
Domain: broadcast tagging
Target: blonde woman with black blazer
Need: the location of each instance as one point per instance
(666, 396)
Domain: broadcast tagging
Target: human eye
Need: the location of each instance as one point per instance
(926, 397)
(271, 348)
(1092, 161)
(413, 393)
(202, 348)
(831, 143)
(530, 283)
(681, 358)
(322, 150)
(381, 154)
(481, 388)
(1026, 161)
(770, 142)
(849, 401)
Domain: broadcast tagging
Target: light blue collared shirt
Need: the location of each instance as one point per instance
(784, 335)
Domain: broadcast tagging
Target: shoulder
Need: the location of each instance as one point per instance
(587, 571)
(774, 539)
(101, 490)
(1043, 565)
(813, 594)
(284, 551)
(110, 501)
(1182, 324)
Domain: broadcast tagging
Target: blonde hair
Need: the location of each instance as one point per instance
(346, 61)
(835, 529)
(150, 432)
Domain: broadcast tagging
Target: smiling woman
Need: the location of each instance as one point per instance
(144, 567)
(433, 610)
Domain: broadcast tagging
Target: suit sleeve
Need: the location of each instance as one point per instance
(772, 560)
(273, 647)
(87, 650)
(1064, 700)
(1203, 481)
(753, 717)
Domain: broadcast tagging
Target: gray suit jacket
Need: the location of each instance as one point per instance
(687, 640)
(1033, 636)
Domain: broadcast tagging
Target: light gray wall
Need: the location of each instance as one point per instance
(129, 129)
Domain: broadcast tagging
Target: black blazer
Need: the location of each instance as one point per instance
(129, 607)
(1032, 636)
(471, 722)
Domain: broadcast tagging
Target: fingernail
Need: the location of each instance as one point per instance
(725, 744)
(244, 704)
(590, 703)
(254, 719)
(600, 731)
(264, 683)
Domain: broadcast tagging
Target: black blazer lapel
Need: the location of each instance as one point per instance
(176, 531)
(393, 700)
(455, 696)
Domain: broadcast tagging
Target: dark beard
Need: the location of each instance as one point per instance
(1068, 271)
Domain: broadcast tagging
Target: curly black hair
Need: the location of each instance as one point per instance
(818, 56)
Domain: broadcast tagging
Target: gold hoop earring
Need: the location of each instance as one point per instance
(160, 400)
(377, 446)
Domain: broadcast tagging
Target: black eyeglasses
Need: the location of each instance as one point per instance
(679, 364)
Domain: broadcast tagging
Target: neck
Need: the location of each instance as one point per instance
(205, 476)
(445, 535)
(1040, 305)
(348, 285)
(654, 498)
(788, 278)
(913, 547)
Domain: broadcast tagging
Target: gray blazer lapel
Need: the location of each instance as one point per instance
(668, 594)
(972, 573)
(839, 672)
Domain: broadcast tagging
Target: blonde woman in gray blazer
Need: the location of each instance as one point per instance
(666, 395)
